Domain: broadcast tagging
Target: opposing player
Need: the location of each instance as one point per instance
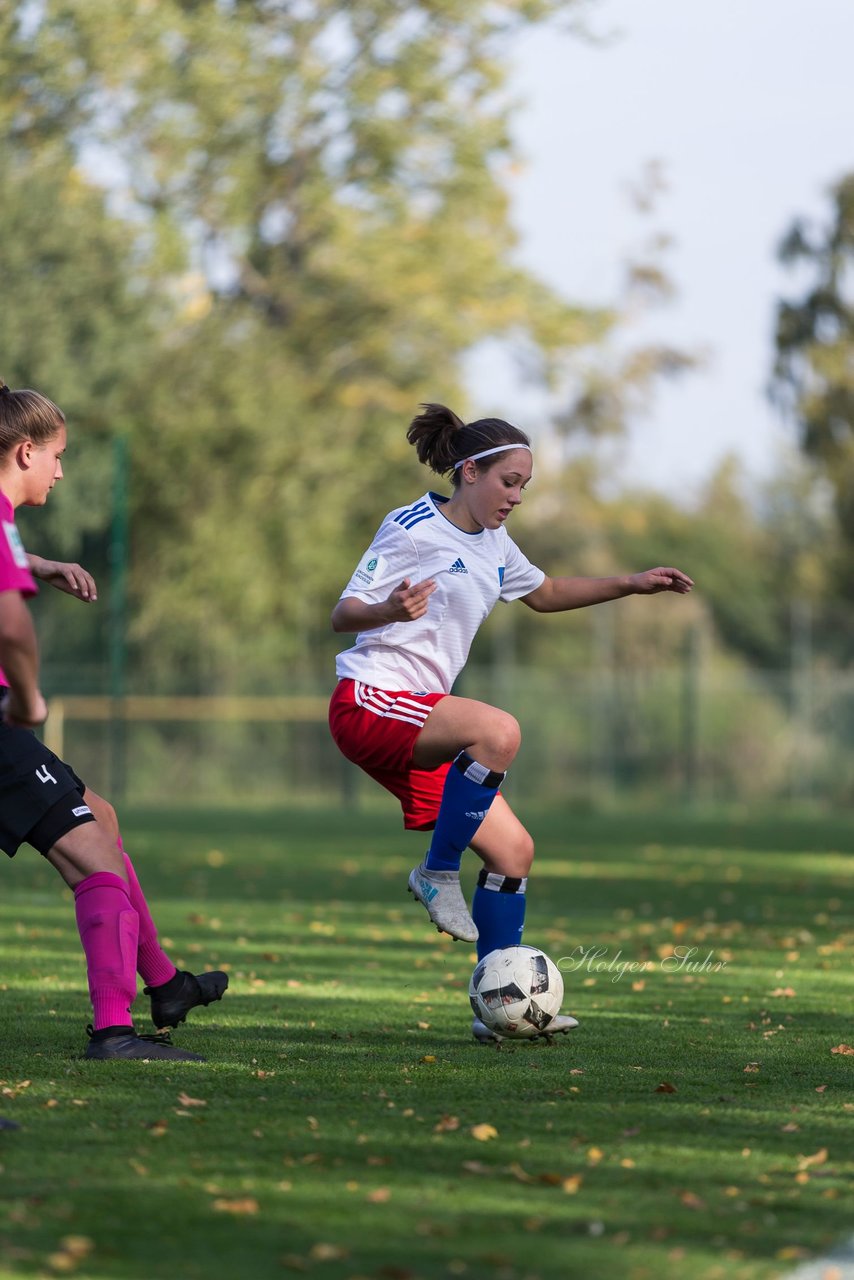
(431, 576)
(42, 801)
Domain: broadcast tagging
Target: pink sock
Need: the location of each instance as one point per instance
(108, 929)
(152, 962)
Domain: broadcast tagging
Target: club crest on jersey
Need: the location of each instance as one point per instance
(501, 575)
(16, 547)
(458, 567)
(368, 569)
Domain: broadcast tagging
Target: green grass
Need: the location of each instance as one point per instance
(342, 1086)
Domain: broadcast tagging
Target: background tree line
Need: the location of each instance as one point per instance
(250, 239)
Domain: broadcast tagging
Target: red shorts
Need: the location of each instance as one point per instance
(376, 729)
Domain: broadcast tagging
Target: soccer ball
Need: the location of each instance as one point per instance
(516, 991)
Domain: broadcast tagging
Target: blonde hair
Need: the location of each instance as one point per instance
(26, 415)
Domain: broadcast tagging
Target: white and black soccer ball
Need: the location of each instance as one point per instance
(516, 991)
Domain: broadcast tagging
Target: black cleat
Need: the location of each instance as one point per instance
(127, 1044)
(170, 1006)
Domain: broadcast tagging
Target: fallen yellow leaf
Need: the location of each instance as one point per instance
(483, 1132)
(327, 1252)
(807, 1162)
(247, 1205)
(61, 1261)
(691, 1200)
(77, 1246)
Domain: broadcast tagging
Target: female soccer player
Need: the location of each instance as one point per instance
(42, 801)
(429, 579)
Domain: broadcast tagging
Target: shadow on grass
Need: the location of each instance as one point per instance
(331, 1128)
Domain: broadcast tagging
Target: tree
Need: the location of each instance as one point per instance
(72, 325)
(614, 382)
(319, 193)
(813, 379)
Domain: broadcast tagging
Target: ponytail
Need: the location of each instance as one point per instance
(442, 440)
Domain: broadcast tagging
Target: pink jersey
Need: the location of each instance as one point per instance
(14, 570)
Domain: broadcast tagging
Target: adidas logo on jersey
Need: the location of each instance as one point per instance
(458, 567)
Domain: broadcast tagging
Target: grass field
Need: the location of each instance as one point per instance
(698, 1123)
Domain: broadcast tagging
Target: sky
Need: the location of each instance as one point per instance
(748, 108)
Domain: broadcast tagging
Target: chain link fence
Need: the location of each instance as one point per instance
(682, 734)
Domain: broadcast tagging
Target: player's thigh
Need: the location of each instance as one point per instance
(502, 842)
(464, 724)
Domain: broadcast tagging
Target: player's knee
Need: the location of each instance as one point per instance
(523, 855)
(504, 739)
(83, 851)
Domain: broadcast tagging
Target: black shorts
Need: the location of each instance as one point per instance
(41, 797)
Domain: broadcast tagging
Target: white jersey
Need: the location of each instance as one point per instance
(471, 570)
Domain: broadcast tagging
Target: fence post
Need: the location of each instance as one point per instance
(118, 618)
(604, 728)
(800, 656)
(691, 712)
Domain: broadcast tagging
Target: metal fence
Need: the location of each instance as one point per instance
(672, 735)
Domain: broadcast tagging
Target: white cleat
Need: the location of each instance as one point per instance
(440, 893)
(560, 1024)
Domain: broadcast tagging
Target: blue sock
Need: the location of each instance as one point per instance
(470, 789)
(498, 910)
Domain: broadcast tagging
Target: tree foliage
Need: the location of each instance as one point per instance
(614, 382)
(814, 369)
(317, 211)
(252, 235)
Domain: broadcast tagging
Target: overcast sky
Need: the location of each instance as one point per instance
(748, 107)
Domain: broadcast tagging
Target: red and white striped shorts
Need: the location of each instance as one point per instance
(377, 729)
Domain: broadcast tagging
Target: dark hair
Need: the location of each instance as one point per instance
(26, 415)
(442, 439)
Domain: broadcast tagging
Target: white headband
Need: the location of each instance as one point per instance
(499, 448)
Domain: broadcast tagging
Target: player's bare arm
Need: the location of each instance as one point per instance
(556, 595)
(71, 578)
(405, 604)
(19, 658)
